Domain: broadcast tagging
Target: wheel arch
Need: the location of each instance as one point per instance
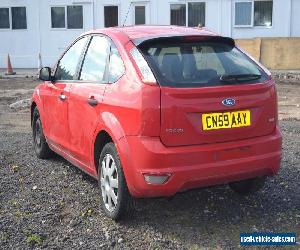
(102, 138)
(32, 108)
(109, 129)
(105, 136)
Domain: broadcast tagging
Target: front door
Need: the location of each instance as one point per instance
(85, 100)
(56, 98)
(56, 108)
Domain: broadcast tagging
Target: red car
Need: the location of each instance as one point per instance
(151, 111)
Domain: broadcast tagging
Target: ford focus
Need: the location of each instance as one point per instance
(150, 111)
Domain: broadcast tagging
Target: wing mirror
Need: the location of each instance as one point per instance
(45, 74)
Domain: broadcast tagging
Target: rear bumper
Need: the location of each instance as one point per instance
(196, 166)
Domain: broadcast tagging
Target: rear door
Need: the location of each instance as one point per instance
(210, 92)
(86, 97)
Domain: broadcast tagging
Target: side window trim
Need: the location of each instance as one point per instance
(110, 54)
(78, 68)
(79, 61)
(106, 70)
(80, 64)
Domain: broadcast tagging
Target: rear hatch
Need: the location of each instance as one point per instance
(182, 111)
(210, 91)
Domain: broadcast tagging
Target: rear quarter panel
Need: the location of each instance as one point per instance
(130, 108)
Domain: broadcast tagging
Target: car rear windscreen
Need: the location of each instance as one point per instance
(188, 63)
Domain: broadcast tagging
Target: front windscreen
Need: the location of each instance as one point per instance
(185, 63)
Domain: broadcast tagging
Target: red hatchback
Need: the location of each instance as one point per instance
(155, 110)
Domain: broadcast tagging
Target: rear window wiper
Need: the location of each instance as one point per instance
(240, 77)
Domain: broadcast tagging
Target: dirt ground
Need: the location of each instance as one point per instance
(51, 204)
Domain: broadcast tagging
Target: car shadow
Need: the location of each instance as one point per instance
(214, 216)
(210, 216)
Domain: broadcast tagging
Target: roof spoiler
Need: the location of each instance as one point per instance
(188, 38)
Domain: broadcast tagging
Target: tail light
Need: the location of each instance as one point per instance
(145, 71)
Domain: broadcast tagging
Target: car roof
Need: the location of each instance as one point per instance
(145, 32)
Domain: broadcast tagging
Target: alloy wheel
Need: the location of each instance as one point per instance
(109, 182)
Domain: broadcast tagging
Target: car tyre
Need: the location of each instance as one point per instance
(246, 187)
(40, 144)
(116, 201)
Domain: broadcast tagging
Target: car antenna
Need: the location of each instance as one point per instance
(127, 14)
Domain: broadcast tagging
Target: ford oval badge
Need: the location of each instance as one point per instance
(228, 102)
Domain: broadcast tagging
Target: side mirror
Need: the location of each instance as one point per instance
(45, 74)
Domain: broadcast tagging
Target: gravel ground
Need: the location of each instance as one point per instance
(51, 204)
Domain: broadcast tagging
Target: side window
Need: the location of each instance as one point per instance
(95, 60)
(18, 16)
(116, 65)
(4, 18)
(67, 66)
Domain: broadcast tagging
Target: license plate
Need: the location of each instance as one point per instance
(234, 119)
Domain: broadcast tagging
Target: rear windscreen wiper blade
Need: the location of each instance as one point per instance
(240, 77)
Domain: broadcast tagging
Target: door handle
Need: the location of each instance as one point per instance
(92, 101)
(62, 97)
